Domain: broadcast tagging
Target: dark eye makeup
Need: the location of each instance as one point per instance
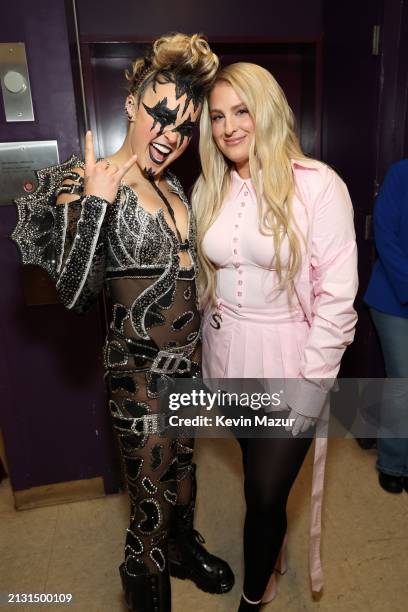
(185, 129)
(162, 114)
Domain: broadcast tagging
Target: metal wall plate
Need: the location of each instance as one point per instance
(18, 160)
(15, 82)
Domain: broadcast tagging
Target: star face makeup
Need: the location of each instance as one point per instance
(162, 114)
(163, 125)
(185, 129)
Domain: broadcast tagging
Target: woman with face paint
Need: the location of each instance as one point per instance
(278, 279)
(126, 222)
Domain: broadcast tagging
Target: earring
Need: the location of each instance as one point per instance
(128, 113)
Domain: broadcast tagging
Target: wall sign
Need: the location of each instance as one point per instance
(18, 160)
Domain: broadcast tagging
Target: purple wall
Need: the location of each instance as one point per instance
(52, 409)
(290, 20)
(42, 27)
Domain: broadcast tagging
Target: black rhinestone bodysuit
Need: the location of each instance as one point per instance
(153, 333)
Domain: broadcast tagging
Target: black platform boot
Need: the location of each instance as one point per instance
(187, 556)
(146, 592)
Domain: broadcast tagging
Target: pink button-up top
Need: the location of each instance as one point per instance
(246, 273)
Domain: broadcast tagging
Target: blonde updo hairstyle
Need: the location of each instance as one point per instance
(172, 57)
(272, 150)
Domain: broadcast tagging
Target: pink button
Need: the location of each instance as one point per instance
(239, 293)
(239, 271)
(242, 204)
(237, 265)
(240, 282)
(236, 239)
(245, 193)
(236, 226)
(239, 305)
(235, 252)
(239, 214)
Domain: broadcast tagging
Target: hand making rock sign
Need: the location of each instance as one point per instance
(102, 178)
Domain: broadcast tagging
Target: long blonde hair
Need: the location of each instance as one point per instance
(273, 147)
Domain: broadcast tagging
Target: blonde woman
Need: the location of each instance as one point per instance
(278, 279)
(126, 222)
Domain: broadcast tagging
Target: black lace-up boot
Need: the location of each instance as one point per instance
(146, 592)
(188, 558)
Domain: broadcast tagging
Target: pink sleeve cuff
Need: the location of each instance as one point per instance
(307, 397)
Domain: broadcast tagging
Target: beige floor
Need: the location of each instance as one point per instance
(75, 548)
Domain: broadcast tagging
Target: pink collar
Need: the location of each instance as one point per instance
(239, 184)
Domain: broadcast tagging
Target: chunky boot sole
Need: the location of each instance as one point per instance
(180, 571)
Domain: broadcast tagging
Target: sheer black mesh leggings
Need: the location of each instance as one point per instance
(158, 469)
(270, 468)
(159, 475)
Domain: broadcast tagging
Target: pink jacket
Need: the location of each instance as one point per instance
(326, 287)
(327, 282)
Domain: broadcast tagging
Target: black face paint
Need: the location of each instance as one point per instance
(149, 174)
(184, 86)
(162, 114)
(185, 129)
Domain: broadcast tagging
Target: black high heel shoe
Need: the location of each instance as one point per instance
(245, 606)
(146, 592)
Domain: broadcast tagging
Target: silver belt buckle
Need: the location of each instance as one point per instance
(171, 364)
(152, 424)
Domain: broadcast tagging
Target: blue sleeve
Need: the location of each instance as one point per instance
(387, 226)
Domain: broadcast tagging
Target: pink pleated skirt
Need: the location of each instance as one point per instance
(252, 343)
(245, 343)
